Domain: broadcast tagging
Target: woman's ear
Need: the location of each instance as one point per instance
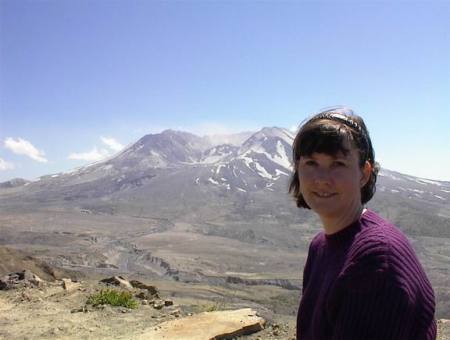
(366, 171)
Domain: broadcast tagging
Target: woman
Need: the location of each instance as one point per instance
(362, 279)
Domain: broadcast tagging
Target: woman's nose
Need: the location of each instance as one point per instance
(322, 175)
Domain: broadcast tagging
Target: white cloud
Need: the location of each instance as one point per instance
(293, 128)
(91, 156)
(4, 165)
(97, 154)
(23, 147)
(112, 143)
(210, 129)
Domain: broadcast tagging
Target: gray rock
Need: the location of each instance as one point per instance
(118, 281)
(69, 285)
(208, 325)
(24, 278)
(151, 289)
(158, 304)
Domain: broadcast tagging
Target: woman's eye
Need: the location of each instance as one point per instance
(310, 162)
(339, 163)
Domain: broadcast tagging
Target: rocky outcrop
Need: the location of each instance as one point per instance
(70, 285)
(443, 329)
(24, 278)
(118, 281)
(152, 290)
(208, 325)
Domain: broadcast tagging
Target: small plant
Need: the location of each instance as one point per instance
(114, 298)
(211, 307)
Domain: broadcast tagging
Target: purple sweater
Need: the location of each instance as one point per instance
(365, 283)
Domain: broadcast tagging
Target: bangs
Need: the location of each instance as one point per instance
(329, 139)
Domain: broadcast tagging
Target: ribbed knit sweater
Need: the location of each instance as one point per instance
(365, 283)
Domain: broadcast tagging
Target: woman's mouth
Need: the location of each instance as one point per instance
(324, 194)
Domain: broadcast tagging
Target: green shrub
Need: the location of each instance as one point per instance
(114, 298)
(210, 307)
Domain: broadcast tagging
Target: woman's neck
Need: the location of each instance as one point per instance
(333, 224)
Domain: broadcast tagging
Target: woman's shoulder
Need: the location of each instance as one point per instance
(378, 234)
(380, 250)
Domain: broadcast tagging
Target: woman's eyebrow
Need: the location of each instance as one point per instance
(341, 156)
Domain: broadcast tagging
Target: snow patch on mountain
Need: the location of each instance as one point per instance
(262, 171)
(213, 181)
(281, 156)
(279, 172)
(218, 153)
(391, 176)
(220, 166)
(427, 181)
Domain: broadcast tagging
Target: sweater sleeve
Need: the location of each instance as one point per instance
(376, 297)
(381, 314)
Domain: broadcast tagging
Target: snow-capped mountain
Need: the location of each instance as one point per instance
(168, 148)
(219, 153)
(270, 150)
(161, 170)
(15, 182)
(410, 187)
(260, 161)
(263, 157)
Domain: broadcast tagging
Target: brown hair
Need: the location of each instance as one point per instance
(326, 132)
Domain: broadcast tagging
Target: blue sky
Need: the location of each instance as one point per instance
(81, 79)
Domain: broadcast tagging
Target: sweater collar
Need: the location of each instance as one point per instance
(347, 233)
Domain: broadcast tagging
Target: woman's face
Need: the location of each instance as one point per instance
(331, 185)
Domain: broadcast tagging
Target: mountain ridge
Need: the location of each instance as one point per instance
(206, 212)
